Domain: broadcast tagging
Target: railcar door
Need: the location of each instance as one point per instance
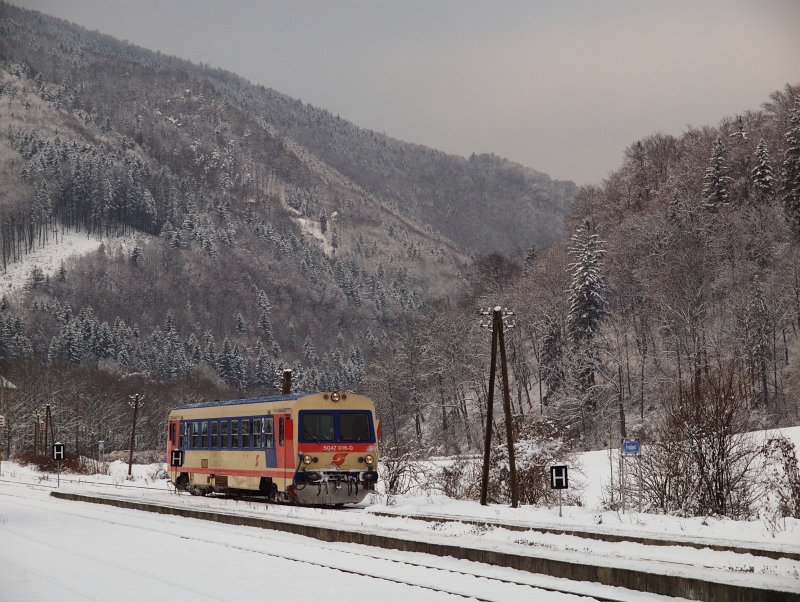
(288, 456)
(280, 448)
(284, 448)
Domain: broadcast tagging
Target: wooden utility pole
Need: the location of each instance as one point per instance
(512, 466)
(50, 424)
(498, 327)
(490, 402)
(36, 433)
(136, 400)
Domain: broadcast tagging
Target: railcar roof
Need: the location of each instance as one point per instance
(236, 402)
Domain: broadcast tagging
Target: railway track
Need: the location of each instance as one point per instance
(580, 574)
(51, 484)
(380, 565)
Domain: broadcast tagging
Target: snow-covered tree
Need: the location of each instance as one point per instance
(136, 255)
(763, 178)
(587, 306)
(587, 293)
(716, 182)
(530, 255)
(791, 170)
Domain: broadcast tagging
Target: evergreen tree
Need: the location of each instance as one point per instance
(323, 221)
(530, 256)
(763, 178)
(716, 182)
(36, 279)
(372, 342)
(309, 352)
(210, 351)
(587, 293)
(791, 170)
(71, 343)
(334, 238)
(587, 305)
(240, 328)
(136, 255)
(265, 324)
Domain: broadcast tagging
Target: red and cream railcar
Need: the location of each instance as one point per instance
(319, 448)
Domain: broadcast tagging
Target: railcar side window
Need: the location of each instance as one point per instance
(235, 434)
(195, 426)
(246, 433)
(172, 433)
(281, 430)
(256, 433)
(224, 436)
(182, 440)
(204, 435)
(269, 434)
(214, 437)
(354, 427)
(318, 427)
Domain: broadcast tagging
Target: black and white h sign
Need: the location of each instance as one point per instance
(558, 477)
(58, 452)
(177, 458)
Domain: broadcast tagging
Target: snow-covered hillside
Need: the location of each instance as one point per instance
(50, 257)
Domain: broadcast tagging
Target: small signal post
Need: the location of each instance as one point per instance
(559, 481)
(58, 457)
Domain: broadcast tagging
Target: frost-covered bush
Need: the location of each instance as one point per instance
(459, 479)
(399, 469)
(780, 481)
(702, 459)
(539, 445)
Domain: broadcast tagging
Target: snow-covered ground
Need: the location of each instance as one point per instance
(58, 550)
(453, 524)
(50, 257)
(721, 566)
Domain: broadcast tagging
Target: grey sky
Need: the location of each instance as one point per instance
(560, 86)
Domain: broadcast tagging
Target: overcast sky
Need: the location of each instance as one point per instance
(560, 86)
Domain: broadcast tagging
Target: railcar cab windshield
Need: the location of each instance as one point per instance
(342, 426)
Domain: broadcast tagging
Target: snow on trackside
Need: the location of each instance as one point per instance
(50, 257)
(466, 523)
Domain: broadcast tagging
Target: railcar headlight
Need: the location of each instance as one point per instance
(369, 459)
(307, 459)
(334, 396)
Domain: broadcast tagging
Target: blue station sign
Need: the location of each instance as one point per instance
(631, 447)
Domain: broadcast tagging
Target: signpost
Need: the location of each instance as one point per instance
(2, 424)
(177, 458)
(559, 481)
(631, 447)
(58, 457)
